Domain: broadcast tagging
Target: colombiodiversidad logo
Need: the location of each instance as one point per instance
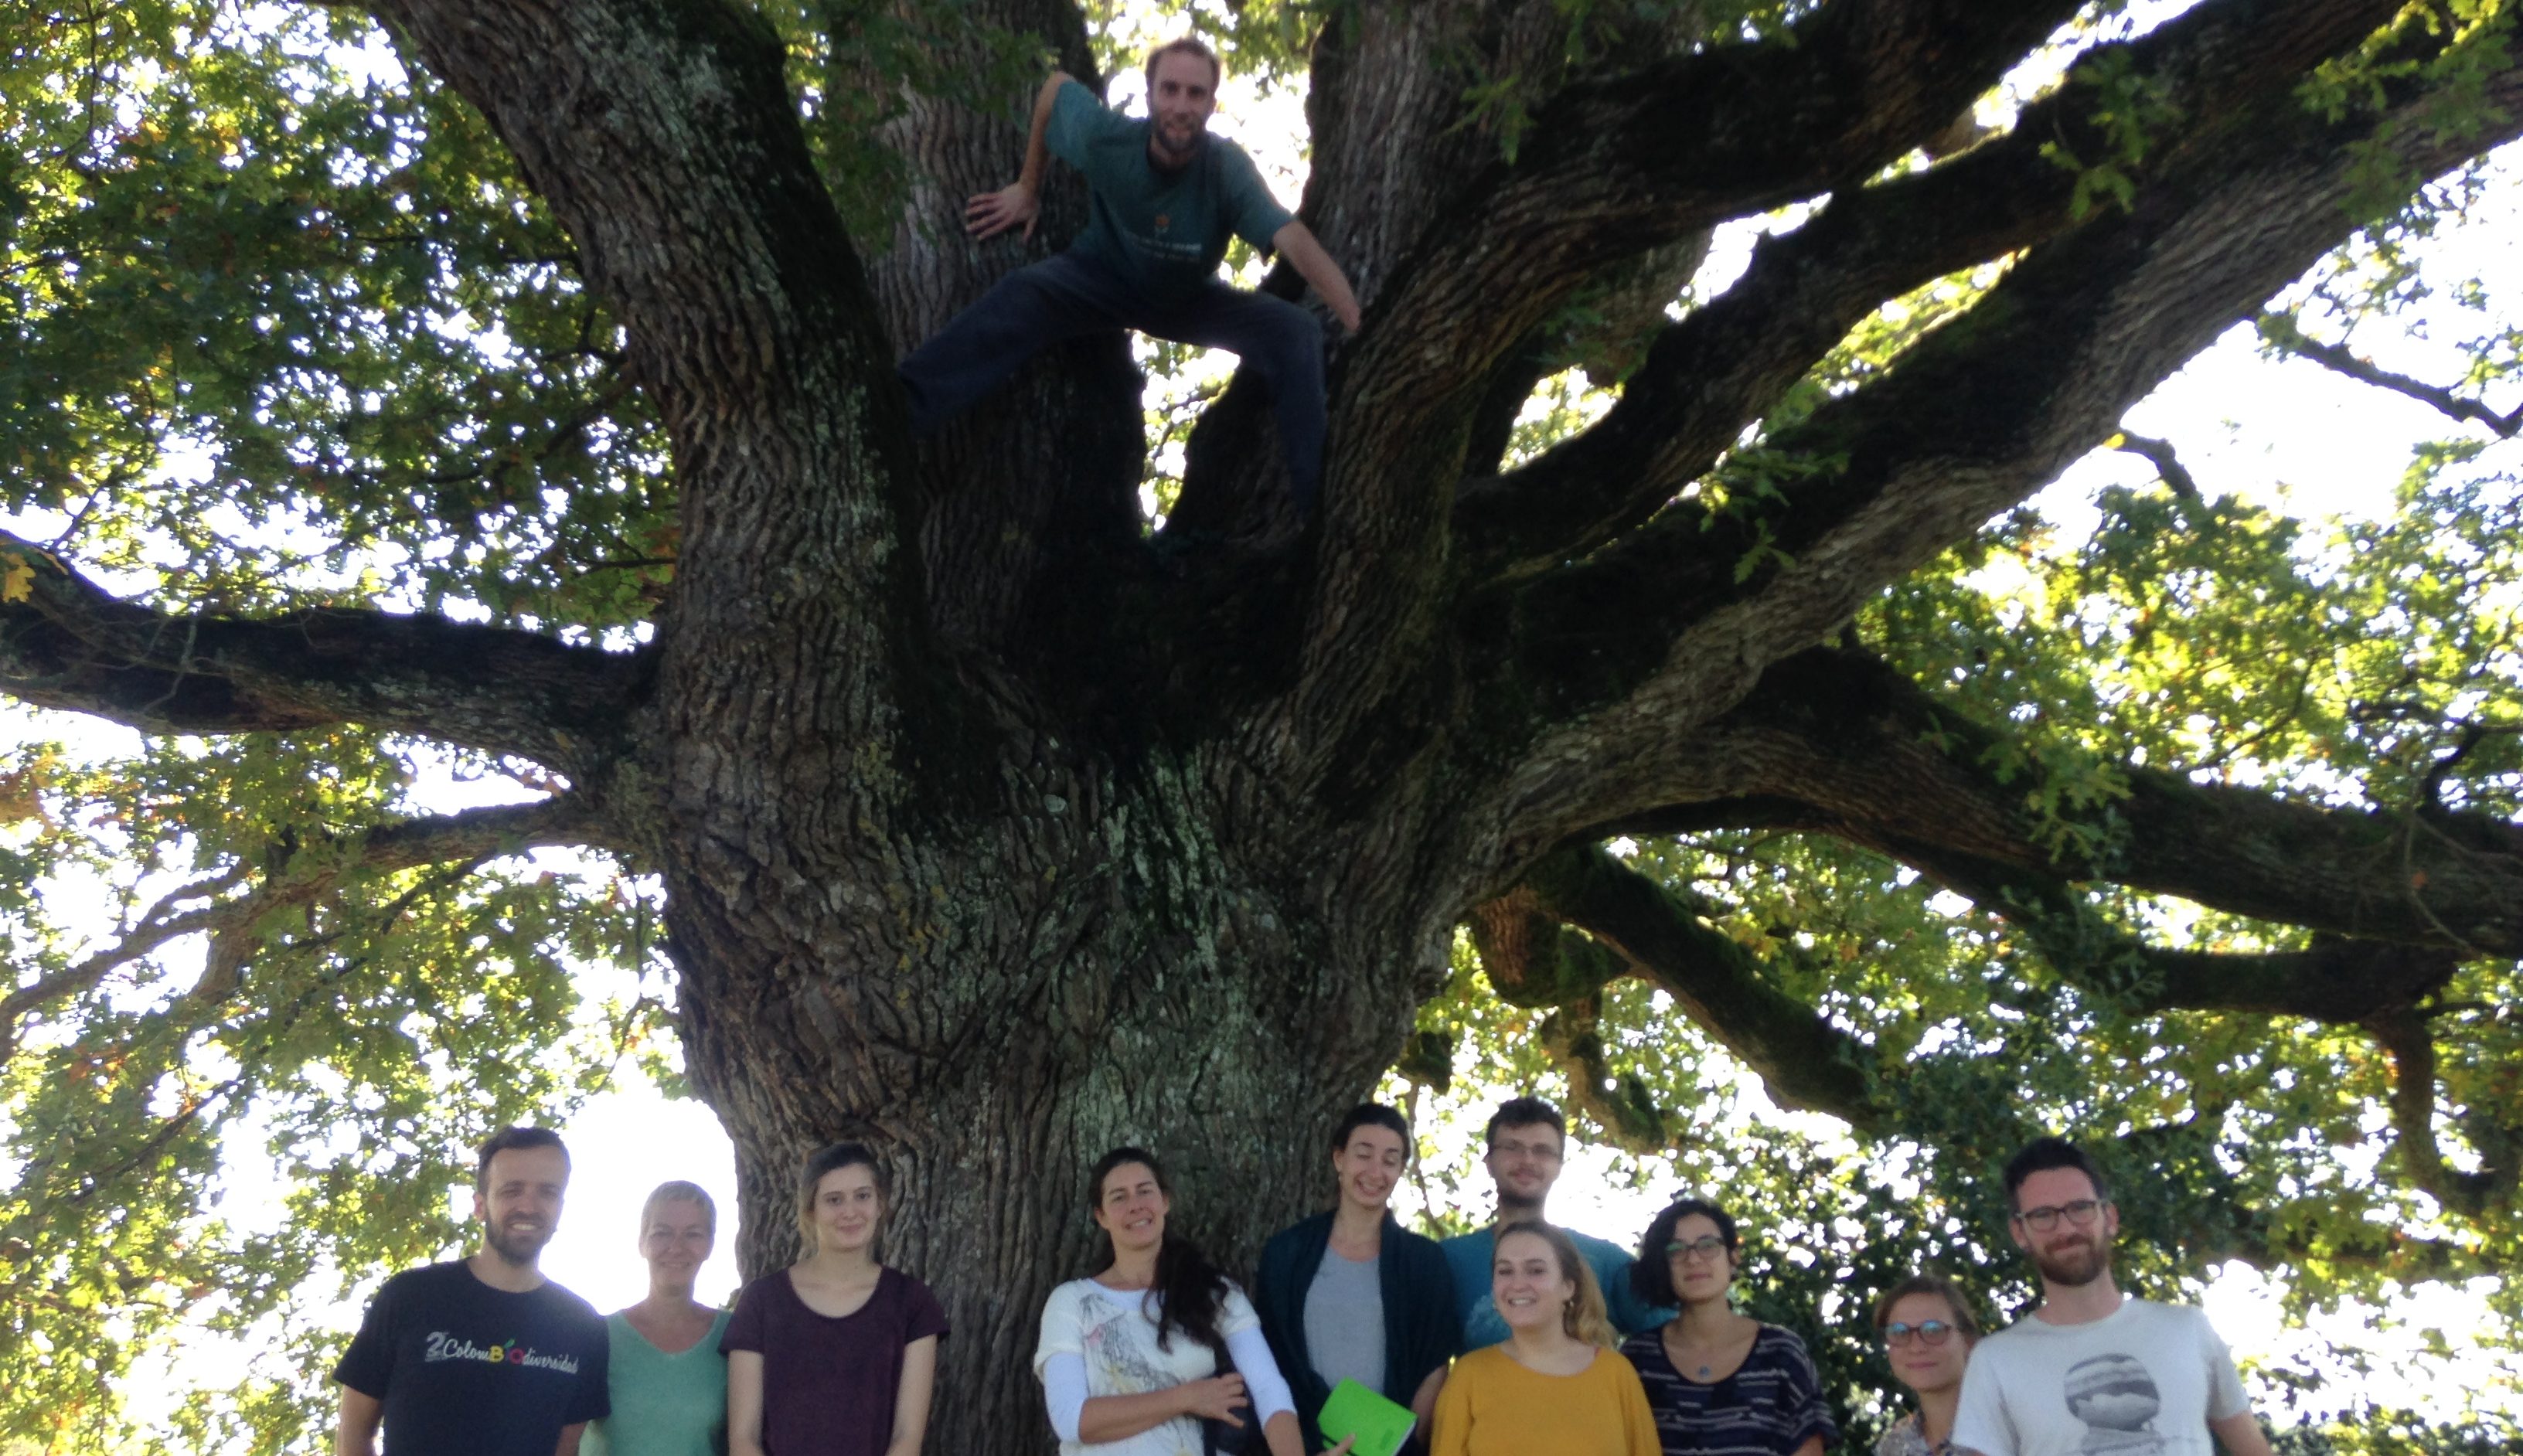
(445, 1347)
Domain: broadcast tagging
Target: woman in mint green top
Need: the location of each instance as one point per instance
(667, 1377)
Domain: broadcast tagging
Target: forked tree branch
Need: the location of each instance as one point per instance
(666, 138)
(1613, 166)
(1645, 637)
(1835, 741)
(1640, 928)
(302, 873)
(2236, 63)
(67, 643)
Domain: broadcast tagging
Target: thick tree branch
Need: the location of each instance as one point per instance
(1639, 926)
(66, 643)
(1837, 742)
(1613, 166)
(1714, 372)
(301, 874)
(2337, 980)
(1680, 616)
(664, 135)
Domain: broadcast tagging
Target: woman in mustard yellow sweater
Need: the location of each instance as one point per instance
(1555, 1385)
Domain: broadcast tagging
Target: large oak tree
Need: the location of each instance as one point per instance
(521, 399)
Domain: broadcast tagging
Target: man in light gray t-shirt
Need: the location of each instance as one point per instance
(1345, 1321)
(2090, 1371)
(2145, 1379)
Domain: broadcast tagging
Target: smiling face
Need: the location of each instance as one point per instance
(1182, 95)
(1524, 1160)
(676, 1240)
(1369, 1165)
(519, 1201)
(1130, 1207)
(2067, 1253)
(1530, 1289)
(1921, 1366)
(848, 1206)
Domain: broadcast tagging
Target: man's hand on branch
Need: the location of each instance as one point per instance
(990, 213)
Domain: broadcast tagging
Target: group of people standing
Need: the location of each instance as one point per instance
(1521, 1338)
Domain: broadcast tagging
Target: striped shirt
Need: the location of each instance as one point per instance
(1768, 1407)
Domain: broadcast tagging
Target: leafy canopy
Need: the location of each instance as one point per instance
(281, 326)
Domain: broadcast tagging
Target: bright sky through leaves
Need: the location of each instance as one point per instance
(2286, 435)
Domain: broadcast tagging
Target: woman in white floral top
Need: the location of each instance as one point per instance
(1132, 1359)
(1927, 1331)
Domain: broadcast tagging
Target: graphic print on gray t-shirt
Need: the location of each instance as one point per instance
(2117, 1399)
(2146, 1379)
(1345, 1321)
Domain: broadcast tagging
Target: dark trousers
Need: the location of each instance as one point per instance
(1065, 295)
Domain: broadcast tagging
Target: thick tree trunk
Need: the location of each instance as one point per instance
(1095, 961)
(995, 839)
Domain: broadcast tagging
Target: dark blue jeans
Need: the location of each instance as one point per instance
(1065, 295)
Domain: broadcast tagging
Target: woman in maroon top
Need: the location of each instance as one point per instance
(834, 1355)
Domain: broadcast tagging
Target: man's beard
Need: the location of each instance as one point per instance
(2075, 1266)
(1190, 147)
(517, 1246)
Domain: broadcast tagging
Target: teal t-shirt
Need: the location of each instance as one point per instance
(663, 1405)
(1163, 231)
(1470, 1257)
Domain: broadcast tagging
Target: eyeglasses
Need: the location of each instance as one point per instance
(1705, 1246)
(1933, 1332)
(2042, 1220)
(1541, 1152)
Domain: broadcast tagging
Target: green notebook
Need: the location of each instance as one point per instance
(1380, 1425)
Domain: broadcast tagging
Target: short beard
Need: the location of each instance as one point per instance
(515, 1249)
(1190, 149)
(2088, 1263)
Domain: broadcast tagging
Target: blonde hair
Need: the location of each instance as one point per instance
(679, 1191)
(1584, 1317)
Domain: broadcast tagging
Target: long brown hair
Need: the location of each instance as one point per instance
(1190, 1291)
(1584, 1317)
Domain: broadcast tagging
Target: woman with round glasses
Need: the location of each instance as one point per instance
(1718, 1381)
(1927, 1331)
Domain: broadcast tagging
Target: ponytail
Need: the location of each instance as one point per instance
(1190, 1291)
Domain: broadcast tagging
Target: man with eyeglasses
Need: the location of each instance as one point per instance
(2091, 1371)
(1527, 1137)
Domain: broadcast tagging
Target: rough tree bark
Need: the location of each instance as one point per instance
(995, 836)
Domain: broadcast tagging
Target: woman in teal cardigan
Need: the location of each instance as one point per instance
(1350, 1293)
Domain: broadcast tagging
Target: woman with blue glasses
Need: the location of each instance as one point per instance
(1927, 1332)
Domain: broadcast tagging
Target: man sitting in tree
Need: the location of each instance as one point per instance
(1166, 196)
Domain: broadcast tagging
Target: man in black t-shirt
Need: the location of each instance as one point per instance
(482, 1357)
